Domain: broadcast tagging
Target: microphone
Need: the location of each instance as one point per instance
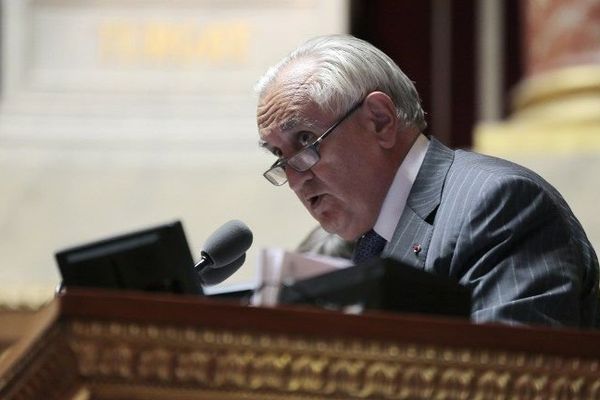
(226, 247)
(211, 276)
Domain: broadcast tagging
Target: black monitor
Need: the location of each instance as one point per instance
(155, 259)
(382, 284)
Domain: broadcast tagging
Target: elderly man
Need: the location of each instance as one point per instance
(346, 124)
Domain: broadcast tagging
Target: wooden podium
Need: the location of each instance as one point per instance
(95, 345)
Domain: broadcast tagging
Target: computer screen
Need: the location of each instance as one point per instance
(154, 259)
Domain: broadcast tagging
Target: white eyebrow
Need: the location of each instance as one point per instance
(289, 127)
(292, 123)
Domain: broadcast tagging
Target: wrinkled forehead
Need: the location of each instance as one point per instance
(286, 103)
(280, 113)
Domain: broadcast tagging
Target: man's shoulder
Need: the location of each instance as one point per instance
(490, 167)
(468, 161)
(473, 176)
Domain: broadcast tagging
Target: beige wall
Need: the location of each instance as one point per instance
(118, 115)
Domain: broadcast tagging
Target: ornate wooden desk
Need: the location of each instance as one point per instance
(117, 345)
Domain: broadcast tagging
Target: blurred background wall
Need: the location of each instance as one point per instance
(118, 115)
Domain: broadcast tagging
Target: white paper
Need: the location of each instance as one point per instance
(278, 266)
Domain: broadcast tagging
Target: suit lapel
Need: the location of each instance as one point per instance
(410, 242)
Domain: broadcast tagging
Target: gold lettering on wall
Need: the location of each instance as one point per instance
(223, 43)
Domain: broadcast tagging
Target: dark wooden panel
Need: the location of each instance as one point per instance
(404, 30)
(309, 321)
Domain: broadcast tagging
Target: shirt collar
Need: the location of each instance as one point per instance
(395, 199)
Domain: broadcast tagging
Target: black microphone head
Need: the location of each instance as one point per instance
(211, 276)
(228, 243)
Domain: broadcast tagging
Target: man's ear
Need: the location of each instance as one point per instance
(382, 118)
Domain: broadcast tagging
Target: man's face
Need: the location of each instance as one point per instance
(345, 189)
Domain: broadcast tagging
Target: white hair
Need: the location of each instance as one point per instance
(346, 70)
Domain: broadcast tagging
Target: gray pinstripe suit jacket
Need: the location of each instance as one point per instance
(503, 231)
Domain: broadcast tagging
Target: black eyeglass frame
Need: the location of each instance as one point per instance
(276, 172)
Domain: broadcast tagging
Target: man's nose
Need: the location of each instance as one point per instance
(296, 179)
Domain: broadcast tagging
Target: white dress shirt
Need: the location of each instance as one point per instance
(395, 199)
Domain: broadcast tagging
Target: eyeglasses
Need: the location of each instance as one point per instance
(304, 159)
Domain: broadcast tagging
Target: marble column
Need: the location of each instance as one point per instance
(554, 124)
(561, 53)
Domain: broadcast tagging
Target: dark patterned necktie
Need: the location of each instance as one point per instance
(368, 246)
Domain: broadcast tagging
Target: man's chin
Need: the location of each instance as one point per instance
(329, 226)
(334, 227)
(335, 222)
